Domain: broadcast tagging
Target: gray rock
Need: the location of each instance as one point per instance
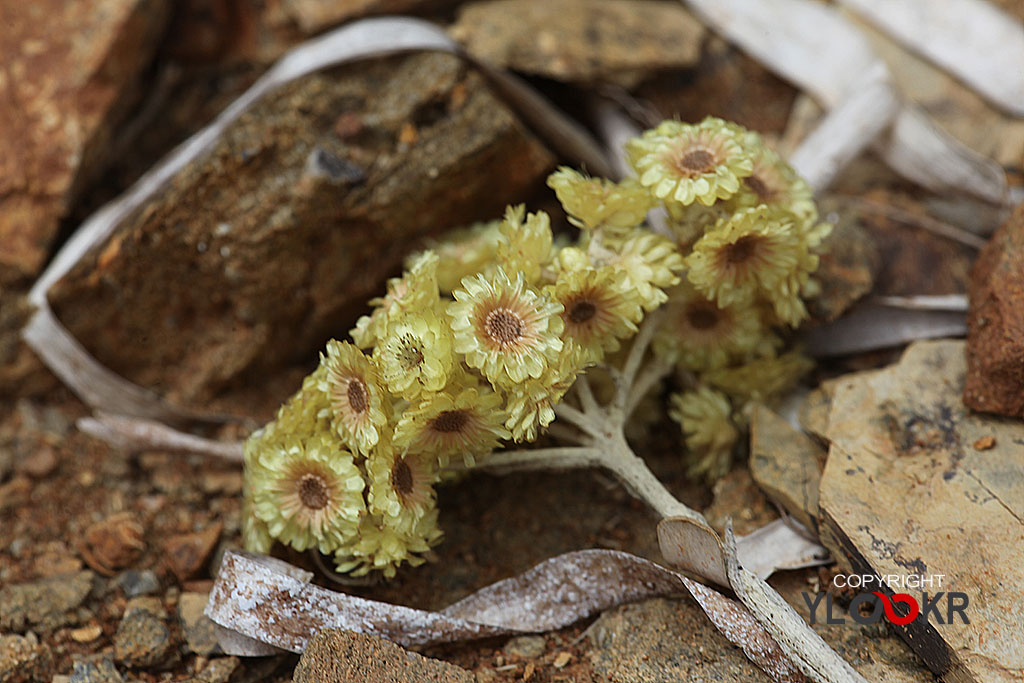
(665, 641)
(337, 656)
(527, 647)
(24, 658)
(216, 670)
(142, 639)
(45, 604)
(200, 632)
(95, 671)
(134, 582)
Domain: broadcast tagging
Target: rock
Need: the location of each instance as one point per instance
(43, 604)
(736, 497)
(21, 371)
(313, 16)
(905, 493)
(113, 543)
(814, 410)
(847, 268)
(100, 670)
(337, 656)
(995, 323)
(786, 464)
(134, 582)
(186, 554)
(618, 41)
(525, 647)
(40, 462)
(86, 634)
(285, 251)
(24, 659)
(664, 641)
(71, 69)
(142, 639)
(200, 632)
(217, 670)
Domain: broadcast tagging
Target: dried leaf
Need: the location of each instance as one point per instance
(869, 327)
(777, 546)
(103, 389)
(260, 599)
(136, 434)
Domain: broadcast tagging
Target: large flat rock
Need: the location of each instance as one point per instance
(260, 251)
(916, 484)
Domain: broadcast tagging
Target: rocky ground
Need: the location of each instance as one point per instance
(213, 298)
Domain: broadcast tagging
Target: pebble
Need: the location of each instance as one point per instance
(134, 582)
(336, 656)
(47, 603)
(95, 671)
(24, 658)
(217, 670)
(200, 632)
(187, 554)
(86, 634)
(39, 463)
(526, 647)
(142, 639)
(113, 543)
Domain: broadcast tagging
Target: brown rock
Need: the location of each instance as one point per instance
(737, 498)
(273, 242)
(24, 659)
(200, 631)
(581, 40)
(69, 71)
(995, 323)
(336, 656)
(313, 16)
(40, 461)
(44, 604)
(113, 543)
(187, 553)
(847, 269)
(786, 464)
(905, 493)
(142, 639)
(21, 371)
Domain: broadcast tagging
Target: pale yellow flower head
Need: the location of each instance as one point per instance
(600, 309)
(466, 422)
(465, 252)
(415, 290)
(763, 379)
(527, 247)
(312, 494)
(401, 486)
(415, 355)
(505, 329)
(710, 434)
(378, 546)
(358, 406)
(650, 261)
(530, 405)
(685, 163)
(595, 202)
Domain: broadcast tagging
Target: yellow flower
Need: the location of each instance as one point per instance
(764, 379)
(311, 496)
(465, 252)
(756, 251)
(650, 261)
(415, 290)
(600, 308)
(530, 404)
(255, 534)
(527, 247)
(359, 408)
(687, 163)
(699, 334)
(710, 434)
(504, 328)
(571, 258)
(773, 182)
(381, 547)
(467, 423)
(401, 486)
(415, 355)
(595, 202)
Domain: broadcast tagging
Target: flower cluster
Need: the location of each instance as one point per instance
(480, 339)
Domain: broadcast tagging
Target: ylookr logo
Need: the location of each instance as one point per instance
(899, 608)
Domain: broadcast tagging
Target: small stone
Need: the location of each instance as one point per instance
(142, 639)
(985, 443)
(217, 670)
(40, 462)
(337, 656)
(86, 634)
(100, 670)
(562, 660)
(46, 604)
(24, 659)
(15, 493)
(113, 543)
(200, 631)
(186, 554)
(995, 345)
(847, 269)
(134, 582)
(55, 563)
(525, 647)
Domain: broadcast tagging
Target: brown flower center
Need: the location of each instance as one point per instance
(449, 421)
(503, 326)
(742, 250)
(582, 311)
(401, 477)
(313, 492)
(760, 188)
(701, 316)
(697, 162)
(357, 398)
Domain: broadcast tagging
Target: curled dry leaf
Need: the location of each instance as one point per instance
(870, 327)
(269, 602)
(103, 389)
